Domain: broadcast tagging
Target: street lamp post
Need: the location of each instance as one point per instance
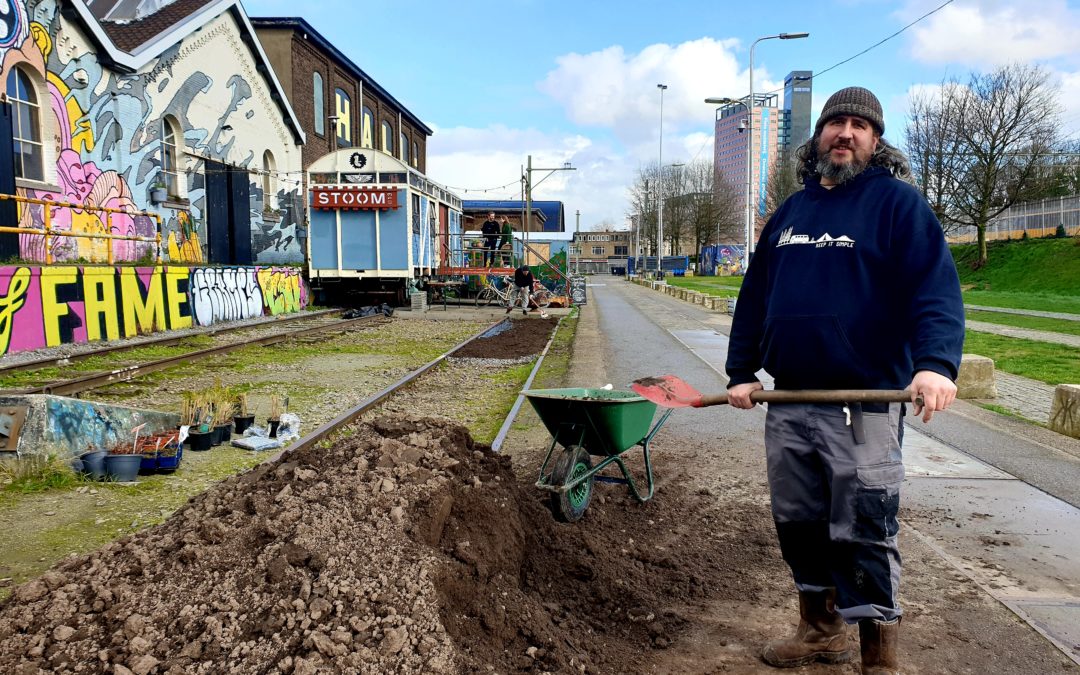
(750, 155)
(577, 235)
(749, 105)
(660, 218)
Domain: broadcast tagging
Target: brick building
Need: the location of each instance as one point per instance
(337, 103)
(597, 252)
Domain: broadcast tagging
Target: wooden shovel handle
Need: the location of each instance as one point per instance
(817, 396)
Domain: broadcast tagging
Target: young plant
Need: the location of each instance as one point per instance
(275, 407)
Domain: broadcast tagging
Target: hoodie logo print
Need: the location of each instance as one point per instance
(824, 241)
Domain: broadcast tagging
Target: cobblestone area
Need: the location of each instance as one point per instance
(1025, 333)
(1026, 312)
(1027, 398)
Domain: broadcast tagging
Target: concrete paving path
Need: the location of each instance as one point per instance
(1025, 333)
(1026, 312)
(1019, 485)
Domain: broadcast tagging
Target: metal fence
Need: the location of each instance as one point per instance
(1038, 219)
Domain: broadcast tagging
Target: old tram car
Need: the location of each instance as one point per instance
(377, 227)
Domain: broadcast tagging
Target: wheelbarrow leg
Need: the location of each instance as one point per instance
(644, 443)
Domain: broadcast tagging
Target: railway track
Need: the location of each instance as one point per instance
(56, 361)
(79, 385)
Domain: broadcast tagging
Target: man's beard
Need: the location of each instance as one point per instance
(839, 173)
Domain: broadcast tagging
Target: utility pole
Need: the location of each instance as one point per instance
(528, 197)
(577, 234)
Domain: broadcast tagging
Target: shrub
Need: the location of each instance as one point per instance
(1060, 232)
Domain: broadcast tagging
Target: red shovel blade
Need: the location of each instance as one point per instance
(668, 391)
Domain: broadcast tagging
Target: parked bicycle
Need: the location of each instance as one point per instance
(491, 293)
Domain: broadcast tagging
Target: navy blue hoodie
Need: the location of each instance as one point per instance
(851, 287)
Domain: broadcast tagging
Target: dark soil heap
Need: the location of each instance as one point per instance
(522, 338)
(404, 548)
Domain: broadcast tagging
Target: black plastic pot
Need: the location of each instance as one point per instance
(224, 433)
(200, 441)
(274, 427)
(242, 422)
(122, 468)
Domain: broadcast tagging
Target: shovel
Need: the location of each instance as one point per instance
(670, 391)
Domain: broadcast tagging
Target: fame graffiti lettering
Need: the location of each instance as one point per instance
(51, 306)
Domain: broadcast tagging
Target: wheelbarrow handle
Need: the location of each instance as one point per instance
(817, 396)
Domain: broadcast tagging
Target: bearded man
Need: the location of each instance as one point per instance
(852, 287)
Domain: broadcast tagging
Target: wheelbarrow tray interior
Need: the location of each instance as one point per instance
(612, 421)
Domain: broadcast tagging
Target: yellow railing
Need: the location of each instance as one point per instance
(49, 232)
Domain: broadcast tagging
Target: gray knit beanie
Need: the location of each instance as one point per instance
(853, 101)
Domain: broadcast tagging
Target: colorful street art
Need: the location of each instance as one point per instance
(53, 306)
(102, 133)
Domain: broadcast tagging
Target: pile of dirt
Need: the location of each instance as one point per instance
(521, 338)
(404, 548)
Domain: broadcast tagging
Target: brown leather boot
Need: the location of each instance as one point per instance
(877, 641)
(821, 635)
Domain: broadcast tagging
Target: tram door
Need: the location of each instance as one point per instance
(228, 214)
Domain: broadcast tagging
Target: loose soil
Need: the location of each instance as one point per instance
(523, 338)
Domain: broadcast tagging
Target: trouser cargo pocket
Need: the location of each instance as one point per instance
(877, 500)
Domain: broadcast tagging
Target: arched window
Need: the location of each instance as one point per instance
(25, 126)
(320, 104)
(404, 148)
(387, 138)
(269, 181)
(170, 155)
(415, 155)
(344, 119)
(367, 129)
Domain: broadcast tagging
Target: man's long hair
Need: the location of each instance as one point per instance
(887, 155)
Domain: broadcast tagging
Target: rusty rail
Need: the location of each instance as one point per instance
(371, 401)
(82, 384)
(154, 342)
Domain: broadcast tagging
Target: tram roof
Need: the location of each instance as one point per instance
(298, 24)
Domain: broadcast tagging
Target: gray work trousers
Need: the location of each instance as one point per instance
(835, 500)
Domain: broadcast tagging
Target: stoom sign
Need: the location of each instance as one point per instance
(353, 198)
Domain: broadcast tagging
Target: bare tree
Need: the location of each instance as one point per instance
(983, 146)
(605, 225)
(643, 208)
(783, 182)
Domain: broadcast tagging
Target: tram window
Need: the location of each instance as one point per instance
(392, 178)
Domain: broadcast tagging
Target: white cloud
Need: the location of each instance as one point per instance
(615, 90)
(992, 32)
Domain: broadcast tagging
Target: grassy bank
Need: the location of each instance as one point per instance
(1049, 363)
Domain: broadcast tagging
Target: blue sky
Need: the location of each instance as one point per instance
(576, 81)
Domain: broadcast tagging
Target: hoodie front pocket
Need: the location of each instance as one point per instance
(810, 352)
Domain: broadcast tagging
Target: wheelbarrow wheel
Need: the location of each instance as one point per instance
(569, 506)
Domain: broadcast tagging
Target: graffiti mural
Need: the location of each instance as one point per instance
(52, 306)
(107, 142)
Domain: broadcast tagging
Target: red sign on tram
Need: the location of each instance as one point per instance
(353, 198)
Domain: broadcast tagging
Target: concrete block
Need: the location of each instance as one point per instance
(976, 378)
(699, 298)
(1065, 410)
(418, 302)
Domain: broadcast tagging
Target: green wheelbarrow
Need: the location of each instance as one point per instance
(589, 423)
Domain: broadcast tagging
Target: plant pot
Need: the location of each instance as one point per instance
(242, 422)
(158, 195)
(199, 441)
(224, 432)
(170, 463)
(94, 464)
(274, 427)
(122, 468)
(215, 436)
(149, 462)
